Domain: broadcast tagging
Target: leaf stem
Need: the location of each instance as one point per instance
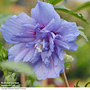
(63, 75)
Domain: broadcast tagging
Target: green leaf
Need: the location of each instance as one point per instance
(67, 65)
(4, 17)
(0, 45)
(80, 28)
(53, 2)
(85, 5)
(68, 59)
(87, 84)
(19, 67)
(3, 53)
(82, 34)
(64, 9)
(77, 83)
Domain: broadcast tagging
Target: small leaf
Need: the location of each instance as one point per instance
(53, 2)
(67, 65)
(68, 59)
(85, 5)
(77, 83)
(19, 67)
(82, 34)
(80, 28)
(87, 84)
(64, 9)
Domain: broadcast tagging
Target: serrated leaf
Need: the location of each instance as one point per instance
(82, 34)
(87, 84)
(19, 67)
(80, 28)
(64, 9)
(85, 5)
(53, 2)
(4, 17)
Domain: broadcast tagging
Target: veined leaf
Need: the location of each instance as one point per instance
(53, 2)
(64, 9)
(82, 34)
(19, 67)
(85, 5)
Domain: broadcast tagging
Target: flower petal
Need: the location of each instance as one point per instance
(42, 71)
(15, 50)
(68, 31)
(29, 55)
(21, 55)
(13, 26)
(43, 13)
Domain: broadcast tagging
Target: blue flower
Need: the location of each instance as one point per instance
(40, 39)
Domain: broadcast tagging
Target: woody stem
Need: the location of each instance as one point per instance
(63, 75)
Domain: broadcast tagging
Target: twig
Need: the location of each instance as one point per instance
(63, 75)
(23, 80)
(45, 83)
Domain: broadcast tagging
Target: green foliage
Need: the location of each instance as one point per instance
(68, 11)
(3, 53)
(68, 59)
(53, 2)
(4, 17)
(80, 28)
(77, 84)
(87, 84)
(81, 7)
(11, 77)
(19, 67)
(82, 34)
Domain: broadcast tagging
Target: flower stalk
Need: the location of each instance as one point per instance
(45, 83)
(63, 75)
(23, 80)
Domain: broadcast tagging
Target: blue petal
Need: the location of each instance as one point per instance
(62, 44)
(45, 54)
(15, 50)
(13, 26)
(29, 55)
(73, 46)
(21, 55)
(68, 31)
(59, 52)
(42, 71)
(22, 39)
(43, 13)
(55, 59)
(51, 42)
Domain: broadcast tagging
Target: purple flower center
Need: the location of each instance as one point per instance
(42, 27)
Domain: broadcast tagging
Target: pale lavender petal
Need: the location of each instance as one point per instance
(29, 55)
(13, 26)
(21, 55)
(43, 13)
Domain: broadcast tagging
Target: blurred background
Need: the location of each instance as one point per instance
(80, 67)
